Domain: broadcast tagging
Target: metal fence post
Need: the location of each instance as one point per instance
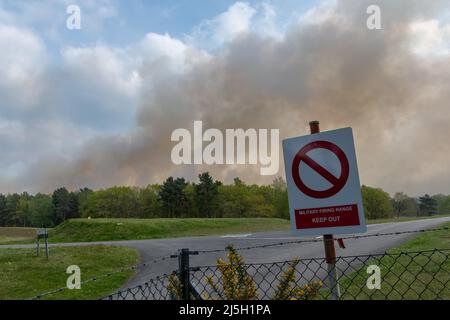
(328, 241)
(183, 269)
(330, 253)
(46, 245)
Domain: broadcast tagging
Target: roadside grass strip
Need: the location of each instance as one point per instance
(24, 275)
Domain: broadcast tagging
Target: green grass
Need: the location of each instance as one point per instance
(91, 230)
(84, 230)
(408, 276)
(23, 275)
(406, 219)
(12, 235)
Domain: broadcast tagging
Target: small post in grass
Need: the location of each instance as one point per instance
(42, 234)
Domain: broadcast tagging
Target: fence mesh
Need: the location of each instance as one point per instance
(155, 289)
(421, 275)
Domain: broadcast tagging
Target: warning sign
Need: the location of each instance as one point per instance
(323, 184)
(337, 183)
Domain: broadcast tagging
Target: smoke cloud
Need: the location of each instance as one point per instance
(390, 85)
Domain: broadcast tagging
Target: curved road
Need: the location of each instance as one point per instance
(151, 249)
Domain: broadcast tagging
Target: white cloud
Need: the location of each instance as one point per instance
(155, 47)
(48, 18)
(96, 14)
(430, 37)
(84, 101)
(233, 22)
(266, 23)
(22, 61)
(5, 16)
(103, 66)
(225, 27)
(317, 15)
(27, 142)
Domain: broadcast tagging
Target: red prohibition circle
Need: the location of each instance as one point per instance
(338, 183)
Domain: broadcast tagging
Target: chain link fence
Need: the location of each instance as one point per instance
(155, 289)
(389, 276)
(420, 275)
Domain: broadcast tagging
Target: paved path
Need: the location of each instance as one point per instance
(151, 249)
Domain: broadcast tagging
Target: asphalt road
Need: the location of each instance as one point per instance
(151, 249)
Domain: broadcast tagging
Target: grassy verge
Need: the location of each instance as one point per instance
(407, 275)
(406, 219)
(83, 230)
(23, 275)
(12, 235)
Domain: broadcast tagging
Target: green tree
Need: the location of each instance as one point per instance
(74, 210)
(427, 205)
(412, 208)
(400, 202)
(83, 202)
(227, 207)
(41, 211)
(444, 208)
(12, 206)
(61, 203)
(116, 202)
(191, 207)
(280, 198)
(377, 203)
(23, 211)
(443, 203)
(440, 198)
(233, 200)
(206, 193)
(259, 203)
(173, 197)
(3, 211)
(149, 205)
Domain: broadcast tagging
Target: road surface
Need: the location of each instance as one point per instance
(151, 249)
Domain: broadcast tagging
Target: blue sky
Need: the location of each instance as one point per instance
(63, 88)
(129, 21)
(96, 107)
(119, 25)
(178, 17)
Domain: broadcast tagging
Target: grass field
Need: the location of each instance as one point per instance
(8, 235)
(84, 230)
(23, 275)
(136, 229)
(405, 219)
(407, 276)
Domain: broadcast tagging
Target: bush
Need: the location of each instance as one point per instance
(235, 283)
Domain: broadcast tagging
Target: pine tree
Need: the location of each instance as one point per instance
(61, 199)
(206, 193)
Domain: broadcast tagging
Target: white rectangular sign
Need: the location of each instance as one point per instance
(323, 184)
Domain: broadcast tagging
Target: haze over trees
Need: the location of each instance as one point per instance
(178, 198)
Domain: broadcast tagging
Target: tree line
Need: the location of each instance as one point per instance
(178, 198)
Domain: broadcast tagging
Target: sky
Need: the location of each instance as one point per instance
(96, 107)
